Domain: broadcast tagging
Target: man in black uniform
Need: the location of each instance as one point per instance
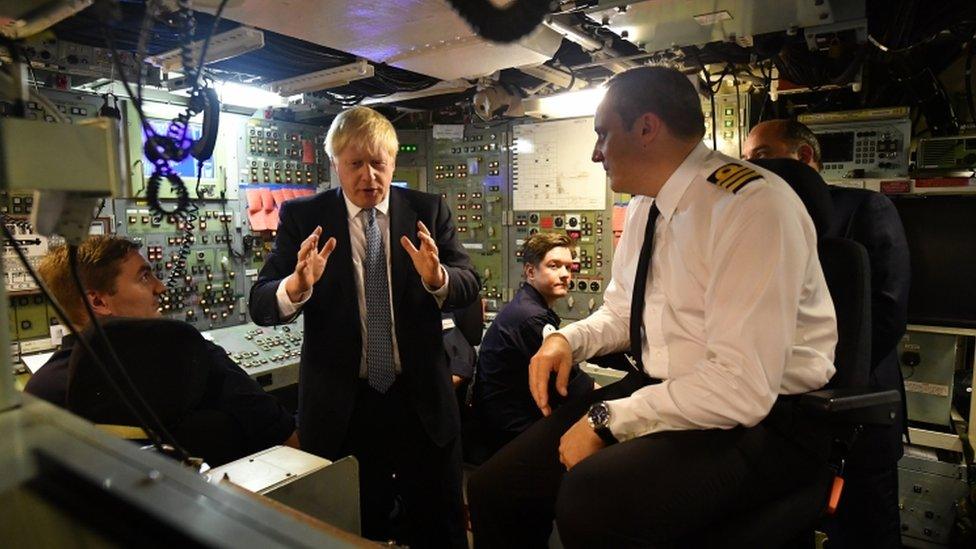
(868, 515)
(501, 392)
(120, 283)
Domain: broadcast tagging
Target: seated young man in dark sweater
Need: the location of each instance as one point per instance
(501, 391)
(120, 283)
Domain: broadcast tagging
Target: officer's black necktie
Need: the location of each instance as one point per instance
(640, 285)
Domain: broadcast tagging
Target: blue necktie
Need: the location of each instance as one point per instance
(379, 325)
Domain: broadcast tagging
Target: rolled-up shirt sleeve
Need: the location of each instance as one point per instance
(759, 262)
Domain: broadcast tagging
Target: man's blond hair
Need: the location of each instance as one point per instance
(364, 127)
(99, 264)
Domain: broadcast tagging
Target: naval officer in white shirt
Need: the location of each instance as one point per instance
(718, 294)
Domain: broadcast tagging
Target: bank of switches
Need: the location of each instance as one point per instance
(284, 153)
(208, 290)
(215, 298)
(283, 347)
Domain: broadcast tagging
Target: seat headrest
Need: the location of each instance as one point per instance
(808, 185)
(167, 361)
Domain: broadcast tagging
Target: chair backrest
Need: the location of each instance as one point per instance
(169, 363)
(848, 274)
(808, 185)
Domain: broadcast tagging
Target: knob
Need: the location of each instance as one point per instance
(911, 359)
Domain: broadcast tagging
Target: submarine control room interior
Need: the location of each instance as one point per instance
(488, 273)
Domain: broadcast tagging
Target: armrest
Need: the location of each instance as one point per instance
(852, 405)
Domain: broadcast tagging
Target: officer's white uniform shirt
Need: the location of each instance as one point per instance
(736, 312)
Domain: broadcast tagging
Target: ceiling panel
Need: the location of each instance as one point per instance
(424, 36)
(661, 24)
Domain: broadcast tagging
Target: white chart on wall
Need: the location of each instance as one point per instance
(552, 170)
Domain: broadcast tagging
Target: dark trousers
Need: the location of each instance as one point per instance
(660, 490)
(868, 515)
(410, 488)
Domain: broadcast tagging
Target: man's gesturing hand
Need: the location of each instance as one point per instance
(311, 264)
(425, 260)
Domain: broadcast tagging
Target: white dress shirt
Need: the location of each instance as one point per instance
(357, 237)
(736, 312)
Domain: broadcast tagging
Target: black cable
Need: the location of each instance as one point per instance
(188, 219)
(969, 81)
(768, 83)
(738, 110)
(206, 44)
(711, 97)
(117, 63)
(141, 44)
(711, 100)
(234, 254)
(101, 206)
(199, 177)
(153, 435)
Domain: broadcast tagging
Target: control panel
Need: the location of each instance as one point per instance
(411, 162)
(947, 154)
(211, 290)
(277, 161)
(929, 491)
(552, 171)
(592, 234)
(91, 61)
(862, 144)
(31, 318)
(270, 355)
(731, 120)
(928, 363)
(471, 174)
(16, 278)
(73, 106)
(282, 153)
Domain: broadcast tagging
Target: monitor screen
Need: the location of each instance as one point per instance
(836, 146)
(942, 241)
(401, 184)
(187, 169)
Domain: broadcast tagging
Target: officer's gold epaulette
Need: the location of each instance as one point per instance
(733, 177)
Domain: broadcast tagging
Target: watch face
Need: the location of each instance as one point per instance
(599, 415)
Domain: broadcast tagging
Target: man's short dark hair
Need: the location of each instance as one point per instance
(534, 249)
(664, 91)
(99, 264)
(797, 133)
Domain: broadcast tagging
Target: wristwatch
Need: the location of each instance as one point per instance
(599, 419)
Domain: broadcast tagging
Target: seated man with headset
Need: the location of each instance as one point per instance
(119, 283)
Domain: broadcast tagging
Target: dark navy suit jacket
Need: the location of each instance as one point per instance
(332, 350)
(501, 391)
(870, 219)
